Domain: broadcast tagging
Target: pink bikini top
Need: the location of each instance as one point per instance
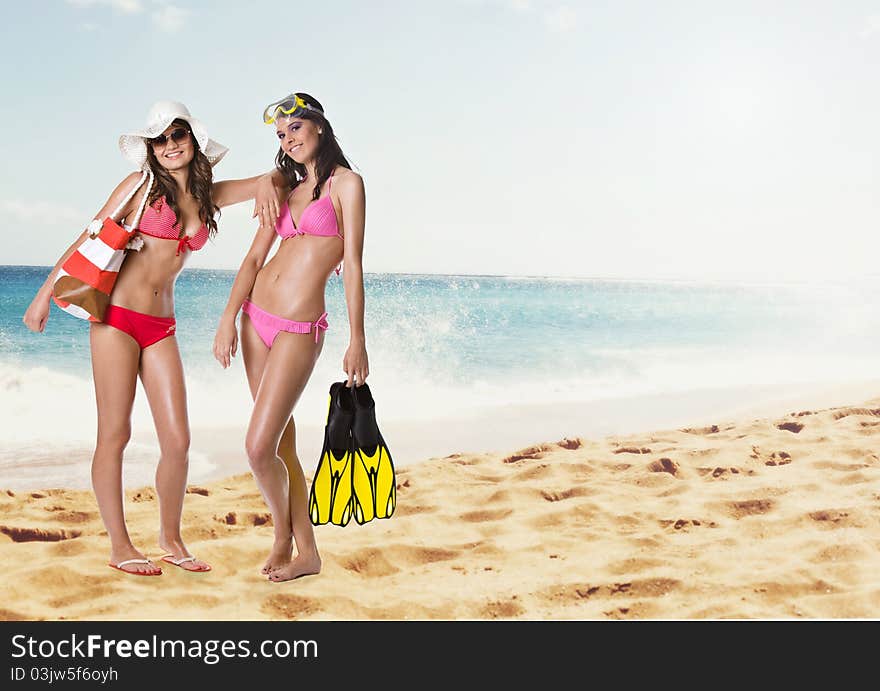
(159, 221)
(318, 218)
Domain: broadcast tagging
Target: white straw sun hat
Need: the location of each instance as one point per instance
(134, 144)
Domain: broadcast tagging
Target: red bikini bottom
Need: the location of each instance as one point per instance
(143, 328)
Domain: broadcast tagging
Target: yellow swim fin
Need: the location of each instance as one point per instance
(374, 487)
(330, 496)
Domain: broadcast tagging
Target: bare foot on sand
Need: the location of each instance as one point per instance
(303, 565)
(280, 555)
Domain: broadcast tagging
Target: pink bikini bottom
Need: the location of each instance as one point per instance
(268, 326)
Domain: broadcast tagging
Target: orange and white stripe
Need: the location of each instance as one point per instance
(96, 262)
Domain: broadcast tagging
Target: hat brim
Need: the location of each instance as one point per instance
(133, 145)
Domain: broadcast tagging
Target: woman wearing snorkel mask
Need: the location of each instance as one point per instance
(321, 229)
(174, 216)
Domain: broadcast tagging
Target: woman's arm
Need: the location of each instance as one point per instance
(37, 313)
(268, 191)
(352, 199)
(226, 338)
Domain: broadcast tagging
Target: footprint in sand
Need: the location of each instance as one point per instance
(65, 516)
(839, 553)
(501, 609)
(713, 429)
(834, 518)
(570, 444)
(458, 460)
(846, 412)
(795, 427)
(722, 473)
(790, 591)
(684, 523)
(38, 534)
(562, 495)
(750, 507)
(532, 452)
(248, 518)
(640, 588)
(230, 518)
(664, 465)
(143, 495)
(535, 473)
(285, 606)
(773, 459)
(371, 563)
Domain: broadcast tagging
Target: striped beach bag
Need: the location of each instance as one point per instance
(84, 282)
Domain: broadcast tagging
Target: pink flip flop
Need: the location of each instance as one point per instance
(119, 566)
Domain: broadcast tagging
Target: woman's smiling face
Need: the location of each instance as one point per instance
(174, 150)
(298, 137)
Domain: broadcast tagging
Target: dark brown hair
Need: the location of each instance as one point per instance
(328, 157)
(201, 177)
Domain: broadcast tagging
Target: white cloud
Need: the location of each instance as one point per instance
(125, 6)
(561, 19)
(170, 18)
(87, 26)
(166, 16)
(872, 26)
(32, 212)
(556, 17)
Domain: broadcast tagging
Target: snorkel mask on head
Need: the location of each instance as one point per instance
(291, 106)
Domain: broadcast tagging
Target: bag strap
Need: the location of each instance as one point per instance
(148, 173)
(95, 226)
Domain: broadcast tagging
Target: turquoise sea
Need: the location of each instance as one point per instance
(440, 346)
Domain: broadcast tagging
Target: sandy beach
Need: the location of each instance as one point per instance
(772, 517)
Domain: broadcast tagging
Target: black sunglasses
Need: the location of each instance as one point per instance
(177, 135)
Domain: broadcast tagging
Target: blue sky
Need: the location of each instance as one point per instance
(719, 140)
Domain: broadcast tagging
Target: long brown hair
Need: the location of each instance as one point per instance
(201, 177)
(328, 157)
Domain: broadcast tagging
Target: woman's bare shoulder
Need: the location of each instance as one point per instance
(346, 180)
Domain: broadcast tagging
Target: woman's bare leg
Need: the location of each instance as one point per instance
(162, 376)
(301, 524)
(115, 361)
(255, 354)
(277, 378)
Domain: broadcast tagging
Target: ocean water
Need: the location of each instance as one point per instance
(442, 346)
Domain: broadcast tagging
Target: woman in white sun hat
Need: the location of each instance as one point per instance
(174, 216)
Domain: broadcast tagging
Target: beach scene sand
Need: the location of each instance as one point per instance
(771, 518)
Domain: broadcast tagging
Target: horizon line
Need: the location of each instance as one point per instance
(536, 277)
